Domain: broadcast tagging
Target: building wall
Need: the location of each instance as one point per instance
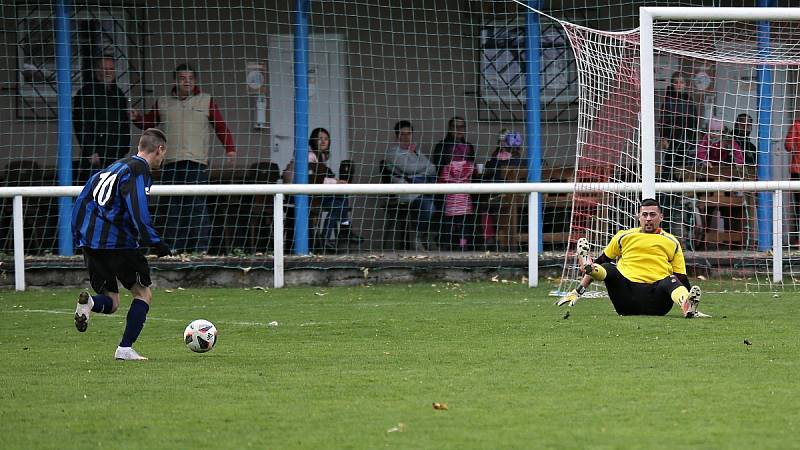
(397, 70)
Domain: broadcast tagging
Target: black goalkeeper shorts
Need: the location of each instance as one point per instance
(631, 298)
(106, 266)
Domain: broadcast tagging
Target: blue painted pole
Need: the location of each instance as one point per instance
(64, 89)
(533, 110)
(301, 125)
(765, 81)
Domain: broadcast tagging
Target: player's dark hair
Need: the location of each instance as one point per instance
(184, 67)
(313, 140)
(151, 139)
(650, 202)
(402, 124)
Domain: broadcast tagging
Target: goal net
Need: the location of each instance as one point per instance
(724, 97)
(445, 80)
(401, 90)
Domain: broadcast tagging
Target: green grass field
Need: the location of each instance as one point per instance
(360, 368)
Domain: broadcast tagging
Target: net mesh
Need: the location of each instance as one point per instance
(454, 71)
(371, 66)
(708, 128)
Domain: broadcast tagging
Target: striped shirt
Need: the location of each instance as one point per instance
(112, 210)
(457, 172)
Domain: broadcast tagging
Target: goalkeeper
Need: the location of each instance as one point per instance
(649, 274)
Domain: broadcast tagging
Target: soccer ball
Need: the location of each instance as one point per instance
(200, 336)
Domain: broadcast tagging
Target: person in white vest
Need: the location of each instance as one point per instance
(187, 117)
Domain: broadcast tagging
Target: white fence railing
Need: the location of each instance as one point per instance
(279, 190)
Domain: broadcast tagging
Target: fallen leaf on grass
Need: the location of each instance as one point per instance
(440, 406)
(399, 428)
(746, 342)
(320, 294)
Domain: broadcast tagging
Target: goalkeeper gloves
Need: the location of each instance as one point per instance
(162, 249)
(572, 297)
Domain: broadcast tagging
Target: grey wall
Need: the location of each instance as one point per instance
(423, 67)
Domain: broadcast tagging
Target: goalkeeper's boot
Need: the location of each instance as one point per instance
(128, 354)
(572, 296)
(582, 248)
(694, 299)
(83, 311)
(689, 306)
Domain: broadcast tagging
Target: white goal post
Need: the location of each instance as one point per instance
(648, 115)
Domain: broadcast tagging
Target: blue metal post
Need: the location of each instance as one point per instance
(765, 81)
(64, 89)
(301, 124)
(533, 110)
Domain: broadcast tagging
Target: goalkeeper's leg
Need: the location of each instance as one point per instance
(596, 271)
(590, 270)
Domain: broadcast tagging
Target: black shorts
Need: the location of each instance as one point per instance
(106, 266)
(632, 298)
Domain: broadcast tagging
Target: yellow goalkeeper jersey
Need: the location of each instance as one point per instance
(646, 257)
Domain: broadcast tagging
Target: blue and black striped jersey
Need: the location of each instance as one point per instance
(112, 210)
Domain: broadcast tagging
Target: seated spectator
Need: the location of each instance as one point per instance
(458, 227)
(408, 165)
(718, 147)
(337, 227)
(508, 152)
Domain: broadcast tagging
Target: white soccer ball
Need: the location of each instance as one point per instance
(200, 336)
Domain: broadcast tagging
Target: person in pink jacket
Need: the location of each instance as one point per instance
(458, 210)
(718, 146)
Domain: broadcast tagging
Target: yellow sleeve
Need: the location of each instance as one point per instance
(678, 262)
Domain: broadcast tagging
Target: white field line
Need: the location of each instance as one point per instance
(163, 319)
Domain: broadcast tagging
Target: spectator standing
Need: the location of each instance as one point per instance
(101, 119)
(677, 126)
(718, 147)
(458, 227)
(456, 134)
(187, 117)
(742, 129)
(792, 146)
(408, 165)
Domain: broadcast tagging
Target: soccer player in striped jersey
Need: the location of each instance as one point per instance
(111, 223)
(643, 269)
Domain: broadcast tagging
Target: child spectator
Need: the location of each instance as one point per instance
(458, 207)
(717, 146)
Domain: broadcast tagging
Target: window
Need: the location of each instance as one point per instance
(94, 33)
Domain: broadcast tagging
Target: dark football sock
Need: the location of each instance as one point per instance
(102, 304)
(137, 314)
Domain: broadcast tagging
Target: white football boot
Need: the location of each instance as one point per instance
(689, 307)
(128, 354)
